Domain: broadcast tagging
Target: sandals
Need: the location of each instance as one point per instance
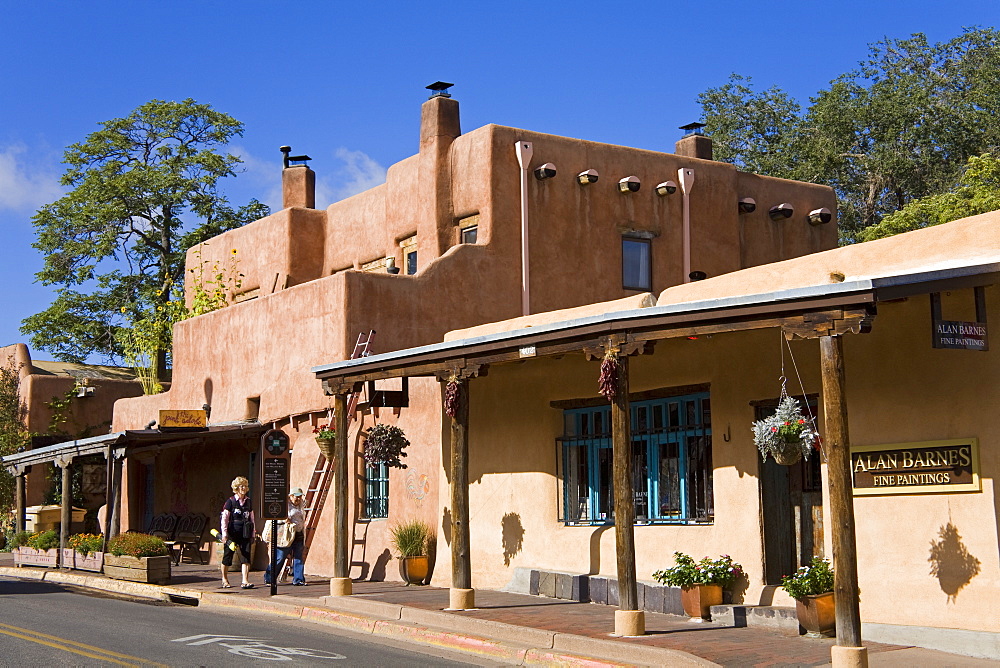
(226, 585)
(246, 585)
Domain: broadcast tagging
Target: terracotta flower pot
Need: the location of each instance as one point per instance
(698, 600)
(817, 614)
(414, 570)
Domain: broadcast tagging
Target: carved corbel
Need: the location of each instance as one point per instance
(828, 323)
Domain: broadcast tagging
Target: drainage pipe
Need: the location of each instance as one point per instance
(524, 151)
(685, 176)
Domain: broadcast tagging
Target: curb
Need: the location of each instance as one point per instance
(508, 643)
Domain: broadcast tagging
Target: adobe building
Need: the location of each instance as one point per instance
(887, 341)
(65, 399)
(492, 224)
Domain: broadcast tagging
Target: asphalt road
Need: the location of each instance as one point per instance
(46, 624)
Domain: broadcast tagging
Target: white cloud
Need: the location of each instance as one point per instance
(357, 173)
(25, 185)
(260, 179)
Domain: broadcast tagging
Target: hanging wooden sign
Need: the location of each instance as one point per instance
(957, 334)
(916, 468)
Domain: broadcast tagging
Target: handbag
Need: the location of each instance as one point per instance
(286, 534)
(247, 530)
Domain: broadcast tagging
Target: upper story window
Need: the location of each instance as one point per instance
(636, 264)
(409, 246)
(671, 462)
(468, 229)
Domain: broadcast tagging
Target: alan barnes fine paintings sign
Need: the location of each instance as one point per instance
(916, 468)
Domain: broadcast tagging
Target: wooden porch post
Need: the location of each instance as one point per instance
(340, 583)
(462, 596)
(837, 445)
(115, 511)
(65, 515)
(629, 620)
(19, 495)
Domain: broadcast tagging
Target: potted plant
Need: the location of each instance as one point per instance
(325, 438)
(137, 557)
(701, 582)
(40, 548)
(787, 435)
(385, 444)
(812, 588)
(411, 540)
(84, 552)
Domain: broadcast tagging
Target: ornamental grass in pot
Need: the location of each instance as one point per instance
(411, 540)
(812, 588)
(701, 582)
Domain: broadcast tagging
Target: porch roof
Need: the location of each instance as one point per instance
(129, 441)
(666, 320)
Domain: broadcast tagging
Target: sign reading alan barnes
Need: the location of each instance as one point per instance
(916, 468)
(960, 335)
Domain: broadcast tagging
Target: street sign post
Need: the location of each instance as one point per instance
(275, 470)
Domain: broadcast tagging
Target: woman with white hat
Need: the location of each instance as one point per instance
(296, 522)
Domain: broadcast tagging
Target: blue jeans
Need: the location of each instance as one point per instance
(295, 550)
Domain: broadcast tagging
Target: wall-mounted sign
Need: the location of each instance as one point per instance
(916, 468)
(958, 334)
(182, 419)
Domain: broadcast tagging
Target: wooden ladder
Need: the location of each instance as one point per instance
(319, 483)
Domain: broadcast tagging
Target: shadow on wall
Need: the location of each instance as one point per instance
(446, 525)
(595, 549)
(513, 536)
(951, 562)
(378, 568)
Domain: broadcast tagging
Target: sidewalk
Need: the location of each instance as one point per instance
(510, 628)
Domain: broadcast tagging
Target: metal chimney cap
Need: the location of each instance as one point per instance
(440, 89)
(692, 128)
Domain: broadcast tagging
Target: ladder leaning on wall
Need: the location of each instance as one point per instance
(319, 483)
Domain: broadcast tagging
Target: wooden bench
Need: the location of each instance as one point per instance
(190, 534)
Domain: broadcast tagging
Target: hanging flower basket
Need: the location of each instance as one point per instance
(385, 444)
(787, 435)
(325, 439)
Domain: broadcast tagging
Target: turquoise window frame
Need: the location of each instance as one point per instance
(376, 491)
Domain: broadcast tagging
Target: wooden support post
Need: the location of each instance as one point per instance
(629, 620)
(837, 446)
(20, 500)
(462, 594)
(340, 584)
(115, 511)
(66, 512)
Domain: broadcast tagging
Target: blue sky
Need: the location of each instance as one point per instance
(344, 82)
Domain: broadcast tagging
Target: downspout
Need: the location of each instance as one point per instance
(685, 176)
(524, 151)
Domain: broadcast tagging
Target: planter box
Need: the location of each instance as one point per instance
(817, 614)
(93, 561)
(698, 600)
(29, 556)
(153, 570)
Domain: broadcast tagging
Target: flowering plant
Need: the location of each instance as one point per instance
(816, 578)
(135, 544)
(786, 435)
(85, 543)
(325, 432)
(384, 444)
(722, 571)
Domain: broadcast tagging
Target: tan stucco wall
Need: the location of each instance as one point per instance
(899, 389)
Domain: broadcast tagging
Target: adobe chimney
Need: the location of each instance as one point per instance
(439, 127)
(694, 144)
(298, 181)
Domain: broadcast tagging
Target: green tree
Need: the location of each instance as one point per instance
(144, 189)
(978, 191)
(13, 429)
(899, 127)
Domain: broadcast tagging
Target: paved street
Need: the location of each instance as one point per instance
(51, 625)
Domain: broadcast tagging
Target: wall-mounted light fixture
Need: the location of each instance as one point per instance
(588, 177)
(666, 188)
(820, 216)
(629, 184)
(747, 205)
(546, 171)
(697, 276)
(781, 212)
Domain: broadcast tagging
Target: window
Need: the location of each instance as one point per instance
(671, 462)
(377, 491)
(468, 229)
(409, 246)
(636, 273)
